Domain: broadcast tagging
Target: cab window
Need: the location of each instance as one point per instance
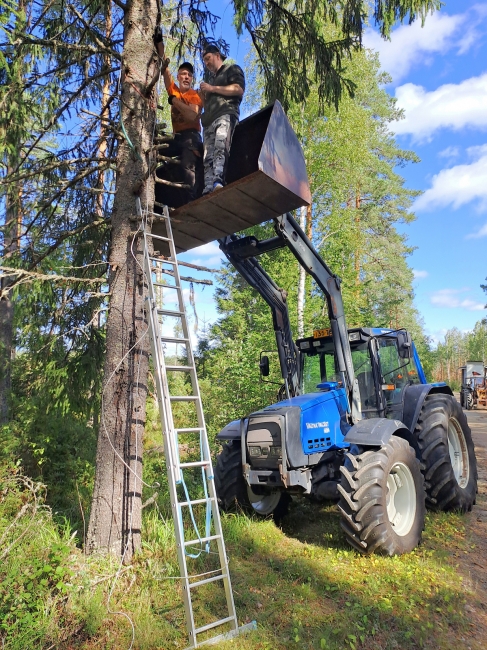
(317, 368)
(397, 373)
(363, 372)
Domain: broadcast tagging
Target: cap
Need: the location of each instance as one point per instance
(211, 48)
(186, 66)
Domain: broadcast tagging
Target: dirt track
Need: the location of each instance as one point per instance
(473, 565)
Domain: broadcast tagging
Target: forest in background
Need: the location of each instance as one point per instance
(60, 135)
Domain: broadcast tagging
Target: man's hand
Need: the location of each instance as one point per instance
(207, 88)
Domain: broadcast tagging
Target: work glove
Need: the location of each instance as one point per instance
(157, 38)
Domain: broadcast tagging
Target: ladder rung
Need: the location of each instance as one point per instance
(155, 214)
(174, 287)
(163, 286)
(181, 368)
(222, 621)
(160, 260)
(169, 312)
(172, 339)
(183, 398)
(159, 237)
(199, 463)
(204, 582)
(189, 430)
(192, 542)
(195, 502)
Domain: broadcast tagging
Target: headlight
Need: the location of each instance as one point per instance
(255, 451)
(354, 336)
(276, 451)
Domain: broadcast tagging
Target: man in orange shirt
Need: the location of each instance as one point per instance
(186, 106)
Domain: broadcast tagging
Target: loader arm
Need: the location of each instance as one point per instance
(237, 252)
(309, 259)
(241, 252)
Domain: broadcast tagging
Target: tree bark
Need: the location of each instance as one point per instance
(10, 246)
(115, 519)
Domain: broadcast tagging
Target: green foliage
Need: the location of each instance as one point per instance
(296, 53)
(456, 349)
(53, 429)
(359, 199)
(34, 572)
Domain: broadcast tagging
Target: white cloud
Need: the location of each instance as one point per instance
(207, 250)
(449, 152)
(413, 44)
(211, 254)
(458, 185)
(452, 299)
(437, 336)
(482, 232)
(419, 274)
(454, 106)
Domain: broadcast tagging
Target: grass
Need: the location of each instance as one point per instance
(301, 583)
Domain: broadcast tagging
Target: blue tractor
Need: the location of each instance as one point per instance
(357, 421)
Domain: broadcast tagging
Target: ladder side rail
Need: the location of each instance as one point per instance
(171, 437)
(220, 540)
(172, 460)
(205, 445)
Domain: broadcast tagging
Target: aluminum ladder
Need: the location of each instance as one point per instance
(166, 306)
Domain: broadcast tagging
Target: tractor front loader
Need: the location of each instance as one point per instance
(357, 421)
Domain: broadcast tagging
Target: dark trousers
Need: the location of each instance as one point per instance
(191, 154)
(187, 149)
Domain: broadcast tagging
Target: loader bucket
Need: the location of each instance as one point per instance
(266, 177)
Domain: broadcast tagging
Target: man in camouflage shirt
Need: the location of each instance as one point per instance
(222, 98)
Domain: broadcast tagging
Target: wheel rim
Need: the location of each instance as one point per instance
(457, 446)
(264, 504)
(401, 499)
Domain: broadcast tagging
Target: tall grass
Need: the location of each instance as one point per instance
(301, 583)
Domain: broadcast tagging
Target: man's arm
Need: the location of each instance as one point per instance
(233, 90)
(167, 76)
(188, 111)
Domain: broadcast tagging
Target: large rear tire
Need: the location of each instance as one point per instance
(234, 494)
(447, 453)
(382, 500)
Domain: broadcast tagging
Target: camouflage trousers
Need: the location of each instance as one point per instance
(217, 139)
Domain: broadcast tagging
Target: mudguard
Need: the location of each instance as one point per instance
(376, 432)
(414, 397)
(231, 431)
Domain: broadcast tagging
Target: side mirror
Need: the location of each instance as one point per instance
(264, 366)
(404, 344)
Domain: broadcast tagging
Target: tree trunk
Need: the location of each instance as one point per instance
(10, 246)
(115, 519)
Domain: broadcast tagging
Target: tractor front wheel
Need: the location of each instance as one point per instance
(233, 493)
(382, 500)
(447, 453)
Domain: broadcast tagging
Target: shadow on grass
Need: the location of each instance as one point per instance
(307, 589)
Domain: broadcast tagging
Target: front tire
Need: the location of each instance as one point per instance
(448, 455)
(382, 499)
(233, 493)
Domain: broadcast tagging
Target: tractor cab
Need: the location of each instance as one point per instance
(385, 363)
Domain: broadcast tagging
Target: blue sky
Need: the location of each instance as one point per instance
(439, 74)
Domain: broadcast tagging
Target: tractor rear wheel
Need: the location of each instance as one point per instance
(233, 493)
(382, 499)
(447, 453)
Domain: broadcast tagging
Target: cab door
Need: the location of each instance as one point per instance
(396, 373)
